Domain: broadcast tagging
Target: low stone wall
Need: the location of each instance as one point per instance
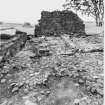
(5, 37)
(10, 49)
(59, 22)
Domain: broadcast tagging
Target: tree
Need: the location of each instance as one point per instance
(93, 8)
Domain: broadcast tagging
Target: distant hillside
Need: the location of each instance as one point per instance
(11, 26)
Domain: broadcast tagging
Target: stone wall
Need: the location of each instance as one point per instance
(10, 49)
(59, 22)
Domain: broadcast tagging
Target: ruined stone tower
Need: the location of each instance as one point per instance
(59, 22)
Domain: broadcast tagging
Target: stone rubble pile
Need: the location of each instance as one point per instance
(27, 75)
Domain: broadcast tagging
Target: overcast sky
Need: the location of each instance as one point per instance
(27, 10)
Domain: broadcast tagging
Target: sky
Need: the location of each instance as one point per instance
(20, 11)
